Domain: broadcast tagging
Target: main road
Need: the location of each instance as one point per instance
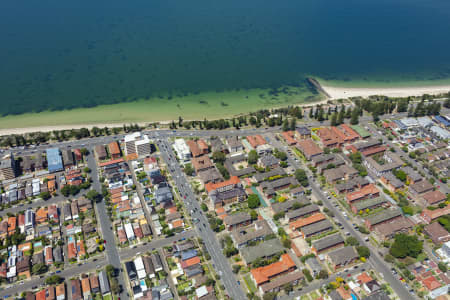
(220, 263)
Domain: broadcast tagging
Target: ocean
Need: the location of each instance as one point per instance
(59, 55)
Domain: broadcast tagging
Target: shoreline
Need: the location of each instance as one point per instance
(48, 128)
(336, 92)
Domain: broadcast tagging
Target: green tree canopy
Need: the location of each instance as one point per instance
(253, 201)
(406, 245)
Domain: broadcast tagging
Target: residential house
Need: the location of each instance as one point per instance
(264, 250)
(367, 204)
(101, 152)
(303, 132)
(434, 197)
(316, 228)
(430, 215)
(384, 216)
(392, 183)
(241, 236)
(309, 148)
(114, 150)
(390, 229)
(298, 224)
(76, 289)
(368, 191)
(343, 172)
(327, 243)
(236, 220)
(420, 187)
(302, 212)
(263, 275)
(225, 192)
(437, 233)
(342, 257)
(268, 161)
(202, 163)
(390, 162)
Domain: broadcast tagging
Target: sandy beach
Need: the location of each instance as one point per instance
(344, 92)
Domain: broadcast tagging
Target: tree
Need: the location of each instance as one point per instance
(322, 274)
(334, 119)
(204, 207)
(219, 157)
(93, 195)
(55, 279)
(252, 157)
(45, 195)
(406, 245)
(286, 125)
(352, 241)
(280, 155)
(253, 201)
(301, 176)
(363, 251)
(355, 117)
(253, 214)
(188, 169)
(87, 170)
(39, 269)
(442, 266)
(269, 296)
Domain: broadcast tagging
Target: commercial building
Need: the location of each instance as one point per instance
(8, 167)
(54, 160)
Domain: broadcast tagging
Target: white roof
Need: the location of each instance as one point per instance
(424, 121)
(201, 291)
(441, 132)
(129, 231)
(139, 263)
(408, 122)
(131, 137)
(141, 274)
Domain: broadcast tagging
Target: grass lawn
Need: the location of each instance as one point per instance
(250, 284)
(304, 297)
(107, 297)
(314, 295)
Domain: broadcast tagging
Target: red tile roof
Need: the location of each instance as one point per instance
(433, 197)
(306, 221)
(214, 186)
(264, 274)
(190, 262)
(431, 283)
(364, 192)
(114, 148)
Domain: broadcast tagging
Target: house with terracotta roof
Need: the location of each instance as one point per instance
(190, 262)
(204, 148)
(194, 148)
(263, 275)
(60, 291)
(256, 140)
(289, 137)
(430, 215)
(202, 163)
(225, 192)
(309, 148)
(12, 223)
(298, 224)
(40, 295)
(431, 283)
(329, 138)
(437, 233)
(85, 287)
(366, 192)
(114, 150)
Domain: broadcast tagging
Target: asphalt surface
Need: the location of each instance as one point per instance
(105, 224)
(220, 263)
(34, 204)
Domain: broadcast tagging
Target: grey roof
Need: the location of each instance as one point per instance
(218, 197)
(260, 177)
(257, 230)
(156, 261)
(378, 295)
(361, 146)
(282, 280)
(210, 175)
(303, 130)
(238, 172)
(57, 254)
(327, 242)
(334, 295)
(354, 182)
(318, 159)
(411, 173)
(184, 246)
(367, 203)
(163, 194)
(394, 181)
(194, 270)
(237, 218)
(313, 264)
(234, 142)
(343, 255)
(303, 211)
(384, 215)
(262, 250)
(268, 160)
(217, 145)
(104, 283)
(271, 186)
(339, 172)
(287, 205)
(317, 227)
(393, 161)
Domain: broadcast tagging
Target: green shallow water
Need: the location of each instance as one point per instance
(59, 55)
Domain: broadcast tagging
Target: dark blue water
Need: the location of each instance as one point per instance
(66, 54)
